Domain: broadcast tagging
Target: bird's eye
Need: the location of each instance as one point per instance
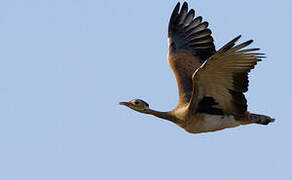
(136, 102)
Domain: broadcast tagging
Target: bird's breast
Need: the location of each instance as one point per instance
(207, 123)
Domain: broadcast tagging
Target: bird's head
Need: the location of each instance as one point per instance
(137, 105)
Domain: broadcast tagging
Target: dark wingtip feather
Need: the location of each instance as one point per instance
(232, 42)
(177, 6)
(192, 12)
(229, 45)
(189, 17)
(173, 17)
(238, 37)
(184, 7)
(174, 12)
(250, 50)
(248, 42)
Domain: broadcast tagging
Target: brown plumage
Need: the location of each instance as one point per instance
(210, 83)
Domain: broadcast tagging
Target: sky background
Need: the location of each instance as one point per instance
(65, 65)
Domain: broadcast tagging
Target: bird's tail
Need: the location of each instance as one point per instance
(260, 119)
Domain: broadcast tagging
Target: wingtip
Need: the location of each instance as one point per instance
(232, 42)
(237, 38)
(177, 5)
(256, 49)
(246, 43)
(185, 5)
(175, 12)
(250, 41)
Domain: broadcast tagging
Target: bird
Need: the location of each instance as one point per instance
(210, 83)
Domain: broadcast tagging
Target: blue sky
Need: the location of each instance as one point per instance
(65, 65)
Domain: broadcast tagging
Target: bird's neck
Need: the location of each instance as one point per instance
(164, 115)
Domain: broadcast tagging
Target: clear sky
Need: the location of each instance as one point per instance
(65, 65)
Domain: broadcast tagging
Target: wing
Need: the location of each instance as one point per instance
(190, 44)
(218, 85)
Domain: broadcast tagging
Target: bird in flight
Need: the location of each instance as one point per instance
(210, 83)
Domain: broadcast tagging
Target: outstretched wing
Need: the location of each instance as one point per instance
(190, 44)
(218, 85)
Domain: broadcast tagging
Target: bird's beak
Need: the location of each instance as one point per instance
(124, 103)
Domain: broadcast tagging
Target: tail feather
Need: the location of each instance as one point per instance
(260, 119)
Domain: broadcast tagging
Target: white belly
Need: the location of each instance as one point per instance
(208, 123)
